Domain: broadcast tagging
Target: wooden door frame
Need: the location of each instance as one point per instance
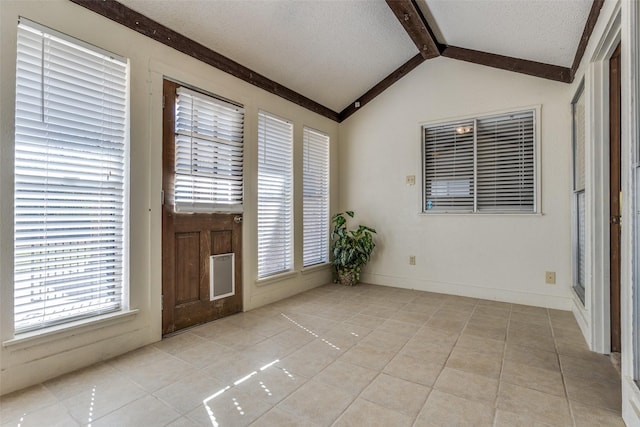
(223, 223)
(615, 188)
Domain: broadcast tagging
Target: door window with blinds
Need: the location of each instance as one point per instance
(315, 187)
(208, 154)
(579, 229)
(481, 165)
(71, 179)
(275, 195)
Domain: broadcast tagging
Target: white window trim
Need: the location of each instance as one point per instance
(291, 254)
(232, 112)
(124, 309)
(537, 197)
(580, 91)
(326, 235)
(67, 330)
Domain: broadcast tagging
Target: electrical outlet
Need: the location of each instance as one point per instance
(411, 180)
(412, 260)
(550, 277)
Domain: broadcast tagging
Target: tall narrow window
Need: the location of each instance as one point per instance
(208, 154)
(481, 165)
(315, 166)
(71, 184)
(579, 230)
(275, 195)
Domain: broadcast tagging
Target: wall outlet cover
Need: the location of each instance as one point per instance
(550, 277)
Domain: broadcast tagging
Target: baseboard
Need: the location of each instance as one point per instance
(275, 292)
(473, 291)
(581, 315)
(630, 402)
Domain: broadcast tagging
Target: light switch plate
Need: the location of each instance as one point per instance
(411, 180)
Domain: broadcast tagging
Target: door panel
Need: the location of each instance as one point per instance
(615, 196)
(188, 241)
(221, 242)
(187, 261)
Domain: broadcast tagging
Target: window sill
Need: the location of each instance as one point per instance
(54, 333)
(275, 278)
(316, 267)
(506, 214)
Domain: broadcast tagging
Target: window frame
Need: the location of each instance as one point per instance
(324, 245)
(223, 107)
(121, 239)
(578, 195)
(288, 252)
(537, 187)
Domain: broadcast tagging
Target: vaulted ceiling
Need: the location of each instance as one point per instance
(333, 56)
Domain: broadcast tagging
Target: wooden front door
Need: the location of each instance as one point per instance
(188, 242)
(615, 196)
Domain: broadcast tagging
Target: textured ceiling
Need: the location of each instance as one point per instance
(333, 51)
(329, 51)
(546, 31)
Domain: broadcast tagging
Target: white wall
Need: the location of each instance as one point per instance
(24, 362)
(502, 257)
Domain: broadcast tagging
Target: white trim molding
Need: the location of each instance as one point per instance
(594, 317)
(630, 241)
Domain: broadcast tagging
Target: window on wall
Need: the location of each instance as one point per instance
(275, 195)
(481, 165)
(315, 166)
(579, 230)
(71, 184)
(208, 154)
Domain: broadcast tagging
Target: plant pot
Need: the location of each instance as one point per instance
(347, 277)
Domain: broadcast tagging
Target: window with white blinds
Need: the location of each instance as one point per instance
(275, 195)
(579, 229)
(448, 167)
(315, 189)
(481, 165)
(71, 183)
(208, 154)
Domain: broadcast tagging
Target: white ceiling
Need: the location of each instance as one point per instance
(545, 31)
(333, 51)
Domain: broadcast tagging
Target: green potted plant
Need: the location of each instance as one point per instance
(351, 249)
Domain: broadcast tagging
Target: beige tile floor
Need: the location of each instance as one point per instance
(336, 356)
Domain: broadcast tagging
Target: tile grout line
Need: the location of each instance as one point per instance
(380, 372)
(564, 383)
(504, 357)
(448, 356)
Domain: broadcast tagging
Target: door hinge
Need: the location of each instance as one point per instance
(162, 197)
(164, 100)
(620, 204)
(161, 302)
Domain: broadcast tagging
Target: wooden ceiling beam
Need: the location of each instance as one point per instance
(415, 24)
(532, 68)
(586, 34)
(121, 14)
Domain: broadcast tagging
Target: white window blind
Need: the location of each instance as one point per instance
(275, 195)
(505, 158)
(448, 167)
(208, 154)
(481, 165)
(579, 231)
(71, 155)
(315, 197)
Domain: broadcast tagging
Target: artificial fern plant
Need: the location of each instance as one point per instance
(351, 249)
